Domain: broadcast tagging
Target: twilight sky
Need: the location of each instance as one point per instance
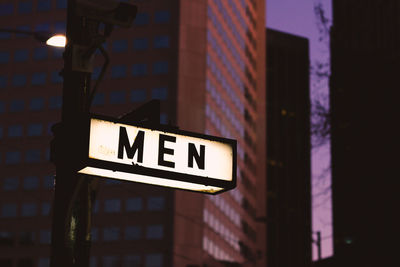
(297, 17)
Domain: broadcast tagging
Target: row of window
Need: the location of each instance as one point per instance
(10, 210)
(55, 27)
(215, 251)
(155, 203)
(33, 129)
(160, 41)
(27, 6)
(24, 238)
(160, 17)
(28, 156)
(226, 209)
(27, 183)
(151, 232)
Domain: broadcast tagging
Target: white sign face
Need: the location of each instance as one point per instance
(161, 151)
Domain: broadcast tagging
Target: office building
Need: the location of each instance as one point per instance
(288, 151)
(205, 62)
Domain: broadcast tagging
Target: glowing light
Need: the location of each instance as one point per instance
(58, 40)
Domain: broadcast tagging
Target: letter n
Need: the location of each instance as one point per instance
(198, 157)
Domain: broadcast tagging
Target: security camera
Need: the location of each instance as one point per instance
(107, 11)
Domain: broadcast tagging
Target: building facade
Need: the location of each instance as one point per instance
(364, 65)
(205, 62)
(288, 151)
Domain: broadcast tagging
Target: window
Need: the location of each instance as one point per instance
(15, 131)
(45, 208)
(35, 129)
(55, 102)
(140, 43)
(57, 52)
(42, 27)
(4, 57)
(38, 78)
(92, 261)
(162, 16)
(161, 41)
(110, 234)
(159, 93)
(155, 203)
(40, 53)
(10, 183)
(3, 81)
(94, 234)
(160, 67)
(117, 97)
(120, 46)
(2, 107)
(4, 35)
(138, 95)
(56, 77)
(6, 9)
(17, 105)
(30, 183)
(132, 260)
(44, 262)
(19, 80)
(27, 238)
(118, 71)
(21, 55)
(98, 99)
(44, 236)
(32, 155)
(43, 5)
(13, 157)
(23, 28)
(48, 181)
(60, 27)
(96, 73)
(61, 4)
(154, 260)
(111, 261)
(133, 233)
(139, 69)
(134, 204)
(112, 205)
(28, 209)
(155, 231)
(25, 7)
(6, 239)
(142, 19)
(1, 132)
(9, 210)
(36, 104)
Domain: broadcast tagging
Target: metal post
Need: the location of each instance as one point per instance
(70, 242)
(319, 245)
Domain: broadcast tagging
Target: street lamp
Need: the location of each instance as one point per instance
(57, 40)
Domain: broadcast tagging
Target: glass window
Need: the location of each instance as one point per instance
(160, 93)
(15, 131)
(4, 57)
(13, 157)
(117, 97)
(155, 203)
(48, 181)
(160, 67)
(21, 55)
(44, 236)
(118, 71)
(134, 204)
(3, 81)
(23, 28)
(155, 231)
(154, 260)
(133, 233)
(40, 53)
(32, 155)
(10, 183)
(98, 99)
(2, 107)
(139, 69)
(57, 52)
(56, 77)
(43, 5)
(55, 102)
(30, 183)
(25, 7)
(45, 208)
(142, 19)
(9, 210)
(162, 16)
(92, 261)
(42, 27)
(161, 41)
(35, 129)
(1, 132)
(112, 205)
(120, 46)
(28, 209)
(96, 73)
(111, 261)
(60, 27)
(4, 35)
(26, 238)
(36, 104)
(6, 9)
(94, 234)
(138, 95)
(44, 262)
(6, 239)
(110, 234)
(17, 105)
(38, 78)
(19, 80)
(61, 4)
(140, 43)
(132, 260)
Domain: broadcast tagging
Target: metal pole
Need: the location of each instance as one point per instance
(70, 242)
(319, 245)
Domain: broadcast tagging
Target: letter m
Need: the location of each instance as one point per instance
(130, 150)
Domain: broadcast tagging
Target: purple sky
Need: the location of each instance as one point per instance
(297, 17)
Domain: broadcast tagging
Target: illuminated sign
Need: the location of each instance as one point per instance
(165, 157)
